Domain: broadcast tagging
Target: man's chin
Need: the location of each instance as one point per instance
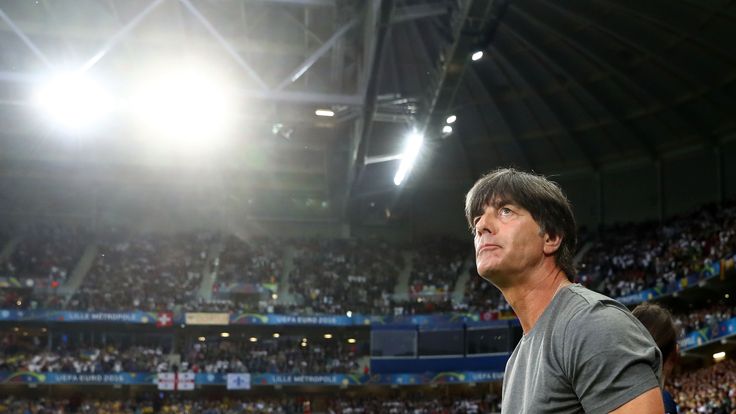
(494, 276)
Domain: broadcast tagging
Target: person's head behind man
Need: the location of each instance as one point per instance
(659, 323)
(518, 219)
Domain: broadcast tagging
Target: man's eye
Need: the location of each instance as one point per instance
(504, 211)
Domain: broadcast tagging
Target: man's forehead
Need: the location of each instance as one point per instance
(497, 201)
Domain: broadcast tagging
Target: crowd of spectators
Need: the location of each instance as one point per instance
(285, 355)
(484, 298)
(45, 256)
(256, 261)
(336, 276)
(150, 273)
(626, 259)
(436, 265)
(33, 355)
(14, 405)
(709, 390)
(708, 317)
(417, 404)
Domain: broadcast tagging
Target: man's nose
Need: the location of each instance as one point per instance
(485, 224)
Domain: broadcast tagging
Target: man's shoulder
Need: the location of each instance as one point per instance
(578, 296)
(580, 303)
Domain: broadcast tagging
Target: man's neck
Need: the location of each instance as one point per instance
(530, 298)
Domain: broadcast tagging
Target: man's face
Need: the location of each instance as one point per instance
(508, 243)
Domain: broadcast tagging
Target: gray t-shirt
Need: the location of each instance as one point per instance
(586, 353)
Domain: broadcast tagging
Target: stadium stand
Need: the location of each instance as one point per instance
(336, 276)
(45, 256)
(629, 258)
(708, 390)
(143, 273)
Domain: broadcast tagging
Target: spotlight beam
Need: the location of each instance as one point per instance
(232, 52)
(25, 39)
(119, 35)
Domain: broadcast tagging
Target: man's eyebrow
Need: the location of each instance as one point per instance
(501, 202)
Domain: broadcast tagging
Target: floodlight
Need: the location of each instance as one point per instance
(225, 334)
(187, 106)
(719, 356)
(73, 101)
(409, 156)
(324, 112)
(477, 55)
(451, 119)
(447, 130)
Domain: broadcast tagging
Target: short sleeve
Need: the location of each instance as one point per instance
(609, 357)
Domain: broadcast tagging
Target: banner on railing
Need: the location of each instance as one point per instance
(188, 380)
(676, 286)
(701, 336)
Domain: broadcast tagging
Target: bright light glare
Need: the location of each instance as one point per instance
(225, 334)
(324, 112)
(451, 119)
(409, 156)
(351, 340)
(719, 355)
(276, 335)
(328, 336)
(189, 106)
(253, 339)
(477, 55)
(73, 101)
(447, 129)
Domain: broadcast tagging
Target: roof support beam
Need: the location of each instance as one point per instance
(277, 96)
(105, 49)
(503, 61)
(593, 57)
(25, 39)
(546, 60)
(422, 11)
(476, 84)
(224, 43)
(309, 61)
(698, 127)
(321, 3)
(377, 25)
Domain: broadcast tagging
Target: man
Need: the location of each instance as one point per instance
(659, 323)
(581, 351)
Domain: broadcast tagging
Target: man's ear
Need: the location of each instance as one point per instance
(551, 243)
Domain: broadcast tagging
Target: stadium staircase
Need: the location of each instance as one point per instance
(80, 272)
(459, 292)
(9, 248)
(401, 291)
(209, 271)
(582, 252)
(286, 298)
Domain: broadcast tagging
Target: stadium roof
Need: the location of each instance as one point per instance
(561, 87)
